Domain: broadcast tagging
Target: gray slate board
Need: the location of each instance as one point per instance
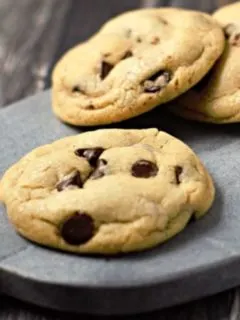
(202, 260)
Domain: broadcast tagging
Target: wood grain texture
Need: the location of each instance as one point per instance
(26, 29)
(33, 35)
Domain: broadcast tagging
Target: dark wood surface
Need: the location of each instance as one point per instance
(33, 35)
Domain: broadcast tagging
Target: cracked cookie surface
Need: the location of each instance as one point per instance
(135, 62)
(107, 191)
(216, 98)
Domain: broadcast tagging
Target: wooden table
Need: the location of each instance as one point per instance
(33, 35)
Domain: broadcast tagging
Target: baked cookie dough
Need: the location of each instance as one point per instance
(106, 191)
(216, 98)
(135, 62)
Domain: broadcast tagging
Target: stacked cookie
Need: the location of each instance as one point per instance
(135, 62)
(114, 190)
(216, 98)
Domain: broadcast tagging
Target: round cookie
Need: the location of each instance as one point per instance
(216, 98)
(106, 191)
(135, 62)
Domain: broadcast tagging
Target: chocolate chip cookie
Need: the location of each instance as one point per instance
(107, 191)
(135, 62)
(216, 98)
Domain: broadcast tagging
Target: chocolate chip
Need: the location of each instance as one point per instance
(178, 170)
(157, 81)
(105, 69)
(78, 229)
(139, 40)
(76, 89)
(149, 88)
(90, 107)
(144, 169)
(91, 154)
(162, 74)
(100, 169)
(72, 180)
(127, 54)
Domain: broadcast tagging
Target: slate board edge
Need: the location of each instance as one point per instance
(120, 301)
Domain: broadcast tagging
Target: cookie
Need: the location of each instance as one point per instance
(107, 191)
(135, 62)
(216, 98)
